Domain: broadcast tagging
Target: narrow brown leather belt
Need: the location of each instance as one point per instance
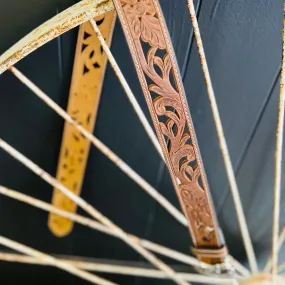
(153, 55)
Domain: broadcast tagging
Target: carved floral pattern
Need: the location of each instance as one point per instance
(143, 23)
(145, 26)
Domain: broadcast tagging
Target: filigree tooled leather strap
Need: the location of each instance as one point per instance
(157, 69)
(85, 91)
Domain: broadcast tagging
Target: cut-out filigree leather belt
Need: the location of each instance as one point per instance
(153, 55)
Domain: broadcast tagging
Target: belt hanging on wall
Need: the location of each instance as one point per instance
(86, 85)
(155, 62)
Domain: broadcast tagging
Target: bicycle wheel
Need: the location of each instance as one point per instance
(117, 196)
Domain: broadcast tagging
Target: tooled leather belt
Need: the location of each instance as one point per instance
(153, 55)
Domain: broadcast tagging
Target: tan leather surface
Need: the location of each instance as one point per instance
(87, 81)
(160, 79)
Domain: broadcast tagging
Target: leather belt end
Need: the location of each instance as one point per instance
(211, 255)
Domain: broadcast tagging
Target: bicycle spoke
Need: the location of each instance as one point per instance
(278, 165)
(154, 247)
(61, 23)
(92, 211)
(223, 145)
(104, 149)
(49, 260)
(281, 240)
(105, 267)
(175, 255)
(128, 90)
(241, 269)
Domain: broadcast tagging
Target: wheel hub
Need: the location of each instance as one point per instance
(263, 279)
